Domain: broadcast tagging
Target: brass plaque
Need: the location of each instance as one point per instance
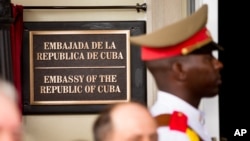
(79, 67)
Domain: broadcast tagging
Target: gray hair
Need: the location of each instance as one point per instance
(7, 88)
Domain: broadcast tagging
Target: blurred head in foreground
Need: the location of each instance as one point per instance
(125, 122)
(10, 117)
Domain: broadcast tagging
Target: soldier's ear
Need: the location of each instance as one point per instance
(178, 71)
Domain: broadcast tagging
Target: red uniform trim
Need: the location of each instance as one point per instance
(178, 121)
(196, 41)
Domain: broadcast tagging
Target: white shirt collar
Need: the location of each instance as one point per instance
(170, 103)
(175, 103)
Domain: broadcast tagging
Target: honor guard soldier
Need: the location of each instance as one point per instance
(180, 58)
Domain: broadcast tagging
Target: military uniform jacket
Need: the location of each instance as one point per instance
(193, 131)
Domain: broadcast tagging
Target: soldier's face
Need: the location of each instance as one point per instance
(203, 74)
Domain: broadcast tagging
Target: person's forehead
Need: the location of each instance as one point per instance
(129, 108)
(131, 115)
(126, 111)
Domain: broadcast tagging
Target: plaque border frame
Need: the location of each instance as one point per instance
(77, 32)
(137, 70)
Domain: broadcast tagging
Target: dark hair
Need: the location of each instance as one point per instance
(103, 124)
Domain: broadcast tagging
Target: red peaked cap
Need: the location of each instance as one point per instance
(195, 42)
(181, 38)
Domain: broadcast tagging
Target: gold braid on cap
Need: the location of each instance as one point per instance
(191, 48)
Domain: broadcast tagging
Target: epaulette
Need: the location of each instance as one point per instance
(176, 121)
